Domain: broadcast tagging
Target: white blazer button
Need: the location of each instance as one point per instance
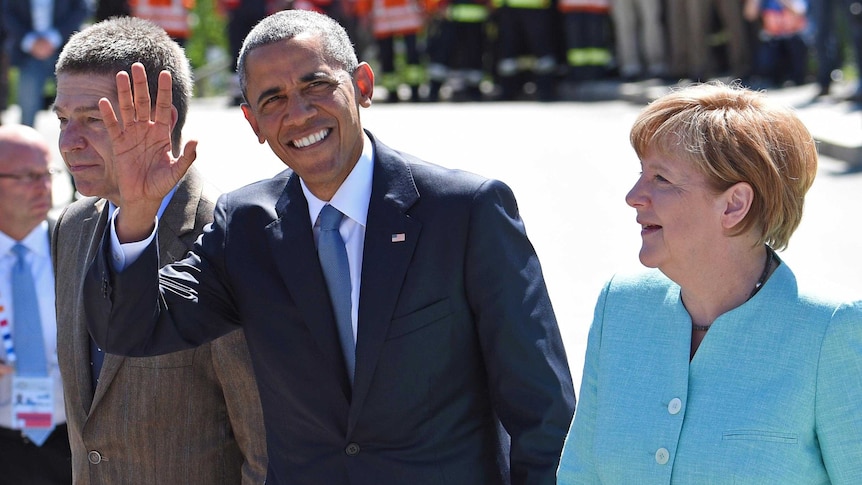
(674, 406)
(661, 456)
(94, 457)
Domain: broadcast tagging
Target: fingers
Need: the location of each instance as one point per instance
(109, 118)
(189, 155)
(164, 99)
(164, 96)
(124, 99)
(135, 105)
(142, 94)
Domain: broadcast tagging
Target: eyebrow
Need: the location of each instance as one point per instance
(307, 78)
(77, 110)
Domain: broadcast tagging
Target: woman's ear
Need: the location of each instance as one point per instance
(738, 199)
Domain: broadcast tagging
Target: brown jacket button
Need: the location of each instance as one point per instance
(94, 457)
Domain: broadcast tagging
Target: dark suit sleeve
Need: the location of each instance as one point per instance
(187, 301)
(531, 386)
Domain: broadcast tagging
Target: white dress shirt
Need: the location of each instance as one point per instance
(39, 257)
(352, 200)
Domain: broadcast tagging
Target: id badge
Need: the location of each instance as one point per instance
(32, 402)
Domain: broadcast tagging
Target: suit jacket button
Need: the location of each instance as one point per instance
(352, 449)
(94, 457)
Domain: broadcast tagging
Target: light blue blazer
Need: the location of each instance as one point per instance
(773, 394)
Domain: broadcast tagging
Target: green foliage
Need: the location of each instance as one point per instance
(208, 30)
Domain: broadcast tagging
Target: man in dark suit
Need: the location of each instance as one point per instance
(450, 370)
(188, 417)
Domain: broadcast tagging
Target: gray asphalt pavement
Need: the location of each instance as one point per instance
(570, 165)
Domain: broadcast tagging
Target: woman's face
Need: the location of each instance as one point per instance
(680, 216)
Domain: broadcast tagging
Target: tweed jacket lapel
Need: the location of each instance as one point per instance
(178, 220)
(175, 224)
(88, 233)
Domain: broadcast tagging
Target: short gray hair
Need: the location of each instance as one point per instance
(113, 45)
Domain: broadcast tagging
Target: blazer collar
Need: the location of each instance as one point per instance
(391, 235)
(176, 224)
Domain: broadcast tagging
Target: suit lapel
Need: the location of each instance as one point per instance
(178, 220)
(292, 243)
(386, 258)
(384, 267)
(91, 234)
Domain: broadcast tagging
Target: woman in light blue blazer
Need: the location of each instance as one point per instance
(715, 366)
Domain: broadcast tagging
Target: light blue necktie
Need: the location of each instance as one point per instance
(336, 271)
(29, 343)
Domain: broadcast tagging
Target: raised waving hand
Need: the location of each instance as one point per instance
(143, 164)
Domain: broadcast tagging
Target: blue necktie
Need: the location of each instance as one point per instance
(336, 271)
(29, 344)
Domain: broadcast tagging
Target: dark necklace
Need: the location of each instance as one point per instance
(770, 255)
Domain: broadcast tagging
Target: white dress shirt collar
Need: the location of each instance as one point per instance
(36, 241)
(354, 195)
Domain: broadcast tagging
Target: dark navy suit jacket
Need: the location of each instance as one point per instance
(461, 376)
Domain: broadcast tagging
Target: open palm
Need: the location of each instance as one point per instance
(143, 163)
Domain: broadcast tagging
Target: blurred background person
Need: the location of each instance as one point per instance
(525, 29)
(829, 46)
(396, 26)
(456, 44)
(639, 36)
(34, 442)
(242, 15)
(588, 37)
(4, 69)
(717, 365)
(36, 31)
(781, 54)
(106, 9)
(690, 27)
(172, 15)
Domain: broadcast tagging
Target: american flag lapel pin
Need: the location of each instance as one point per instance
(397, 238)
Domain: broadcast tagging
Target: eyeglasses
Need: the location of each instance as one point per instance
(30, 178)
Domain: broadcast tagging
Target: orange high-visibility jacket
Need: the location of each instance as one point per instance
(171, 15)
(393, 17)
(590, 6)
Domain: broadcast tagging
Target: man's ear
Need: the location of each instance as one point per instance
(252, 121)
(363, 78)
(738, 199)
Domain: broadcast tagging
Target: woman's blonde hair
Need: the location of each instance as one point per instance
(733, 134)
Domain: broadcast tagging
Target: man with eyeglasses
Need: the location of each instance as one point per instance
(34, 443)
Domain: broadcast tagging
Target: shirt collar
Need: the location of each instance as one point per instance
(165, 202)
(354, 195)
(36, 241)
